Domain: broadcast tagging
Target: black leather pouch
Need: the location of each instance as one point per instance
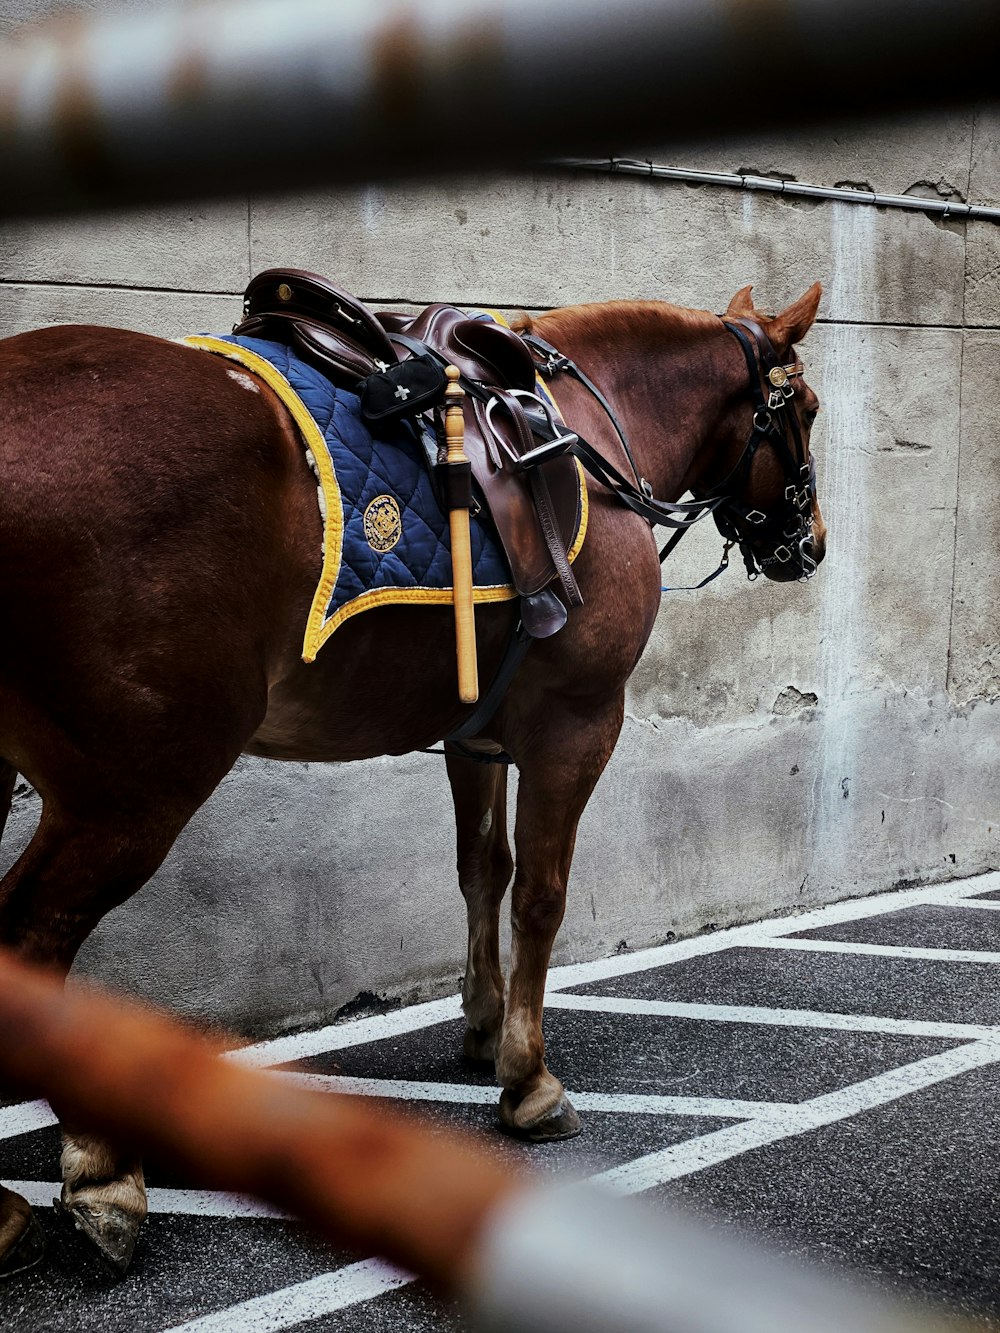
(402, 390)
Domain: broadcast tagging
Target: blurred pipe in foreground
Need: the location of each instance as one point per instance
(214, 98)
(520, 1254)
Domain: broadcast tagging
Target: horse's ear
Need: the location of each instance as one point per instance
(792, 325)
(741, 304)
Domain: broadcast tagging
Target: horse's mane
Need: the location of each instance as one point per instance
(637, 321)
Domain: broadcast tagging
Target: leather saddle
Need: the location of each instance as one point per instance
(536, 511)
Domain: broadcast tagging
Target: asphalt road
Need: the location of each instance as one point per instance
(829, 1081)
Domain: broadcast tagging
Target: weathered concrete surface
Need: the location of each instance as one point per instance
(167, 314)
(974, 668)
(559, 239)
(783, 745)
(982, 302)
(922, 155)
(200, 248)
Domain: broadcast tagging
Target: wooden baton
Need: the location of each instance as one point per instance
(461, 547)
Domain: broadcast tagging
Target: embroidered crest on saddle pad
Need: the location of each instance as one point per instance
(386, 539)
(383, 523)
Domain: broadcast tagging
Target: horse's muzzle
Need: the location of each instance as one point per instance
(803, 564)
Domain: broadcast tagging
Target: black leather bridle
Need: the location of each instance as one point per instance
(788, 531)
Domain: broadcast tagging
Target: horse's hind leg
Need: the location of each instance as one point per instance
(559, 769)
(484, 870)
(20, 1236)
(72, 872)
(8, 777)
(21, 1242)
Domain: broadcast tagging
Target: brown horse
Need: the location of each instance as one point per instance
(158, 553)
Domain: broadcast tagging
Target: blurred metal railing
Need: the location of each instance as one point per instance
(522, 1254)
(211, 98)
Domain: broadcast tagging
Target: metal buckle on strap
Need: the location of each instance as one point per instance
(799, 497)
(756, 516)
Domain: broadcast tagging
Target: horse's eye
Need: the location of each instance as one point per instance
(811, 415)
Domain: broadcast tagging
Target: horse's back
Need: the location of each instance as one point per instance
(158, 524)
(120, 420)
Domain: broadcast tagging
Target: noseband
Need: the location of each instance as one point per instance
(775, 423)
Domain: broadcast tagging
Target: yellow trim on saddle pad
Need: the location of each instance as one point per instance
(331, 510)
(318, 629)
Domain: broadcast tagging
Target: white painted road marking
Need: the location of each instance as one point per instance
(683, 1159)
(471, 1094)
(25, 1118)
(355, 1032)
(765, 1123)
(306, 1300)
(187, 1203)
(339, 1036)
(794, 1018)
(882, 950)
(735, 937)
(310, 1300)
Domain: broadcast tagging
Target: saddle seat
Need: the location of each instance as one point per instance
(536, 513)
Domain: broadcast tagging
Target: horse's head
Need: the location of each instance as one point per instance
(764, 472)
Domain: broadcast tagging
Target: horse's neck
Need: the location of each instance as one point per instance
(668, 392)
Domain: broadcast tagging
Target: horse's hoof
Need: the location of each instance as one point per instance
(110, 1230)
(26, 1251)
(552, 1126)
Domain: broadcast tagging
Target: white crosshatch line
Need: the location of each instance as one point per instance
(755, 1124)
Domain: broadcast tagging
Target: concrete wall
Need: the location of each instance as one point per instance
(784, 745)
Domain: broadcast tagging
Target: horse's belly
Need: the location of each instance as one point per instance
(385, 683)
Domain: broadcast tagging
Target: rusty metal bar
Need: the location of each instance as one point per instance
(264, 94)
(519, 1252)
(358, 1173)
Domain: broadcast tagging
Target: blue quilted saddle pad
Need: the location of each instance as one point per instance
(385, 537)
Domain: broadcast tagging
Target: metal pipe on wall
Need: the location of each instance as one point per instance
(620, 166)
(223, 97)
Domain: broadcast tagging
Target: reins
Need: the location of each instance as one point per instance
(720, 502)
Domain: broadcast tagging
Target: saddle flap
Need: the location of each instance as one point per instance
(511, 503)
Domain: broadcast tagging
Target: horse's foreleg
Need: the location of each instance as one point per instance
(558, 773)
(484, 870)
